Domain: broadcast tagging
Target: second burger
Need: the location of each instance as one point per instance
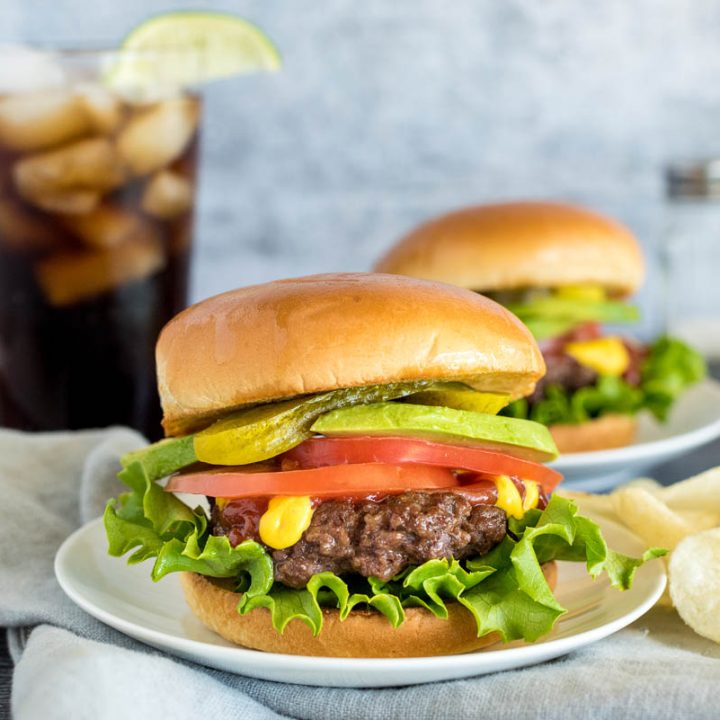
(565, 271)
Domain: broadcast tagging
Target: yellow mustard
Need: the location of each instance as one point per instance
(285, 520)
(508, 497)
(532, 495)
(587, 293)
(607, 356)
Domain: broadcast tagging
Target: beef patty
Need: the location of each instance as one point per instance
(564, 371)
(381, 538)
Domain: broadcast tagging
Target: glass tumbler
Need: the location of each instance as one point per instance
(97, 188)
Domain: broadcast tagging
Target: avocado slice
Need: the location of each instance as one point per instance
(521, 438)
(544, 328)
(559, 308)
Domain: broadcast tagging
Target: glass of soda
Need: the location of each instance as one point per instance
(97, 191)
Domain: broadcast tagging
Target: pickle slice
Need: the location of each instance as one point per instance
(521, 438)
(459, 396)
(262, 432)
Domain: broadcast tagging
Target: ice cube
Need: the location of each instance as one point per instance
(103, 108)
(167, 195)
(23, 229)
(78, 173)
(38, 120)
(23, 69)
(143, 95)
(156, 136)
(69, 278)
(108, 225)
(68, 202)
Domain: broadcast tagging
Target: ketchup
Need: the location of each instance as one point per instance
(239, 519)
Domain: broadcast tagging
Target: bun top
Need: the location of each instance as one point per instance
(323, 332)
(520, 245)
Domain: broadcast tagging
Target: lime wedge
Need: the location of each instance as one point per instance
(189, 48)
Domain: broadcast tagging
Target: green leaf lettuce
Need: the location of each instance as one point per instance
(671, 367)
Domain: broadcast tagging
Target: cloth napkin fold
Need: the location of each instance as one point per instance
(69, 665)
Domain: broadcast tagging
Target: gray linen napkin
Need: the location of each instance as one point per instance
(72, 666)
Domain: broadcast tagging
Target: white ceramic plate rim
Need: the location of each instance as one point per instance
(645, 450)
(477, 663)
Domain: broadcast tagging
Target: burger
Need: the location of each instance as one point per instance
(336, 480)
(565, 271)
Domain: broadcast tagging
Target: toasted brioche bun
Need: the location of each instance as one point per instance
(323, 332)
(362, 634)
(608, 431)
(520, 245)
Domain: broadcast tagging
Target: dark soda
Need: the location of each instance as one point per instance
(94, 258)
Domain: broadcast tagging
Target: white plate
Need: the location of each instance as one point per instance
(126, 598)
(694, 421)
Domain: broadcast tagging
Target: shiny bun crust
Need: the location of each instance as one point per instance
(361, 635)
(608, 431)
(323, 332)
(520, 245)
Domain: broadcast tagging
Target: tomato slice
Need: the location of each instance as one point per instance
(322, 482)
(318, 452)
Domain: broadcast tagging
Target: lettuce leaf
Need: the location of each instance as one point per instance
(669, 369)
(156, 524)
(163, 457)
(323, 590)
(505, 591)
(516, 601)
(608, 395)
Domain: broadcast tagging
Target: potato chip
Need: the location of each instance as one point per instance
(649, 518)
(701, 492)
(684, 517)
(652, 486)
(695, 582)
(590, 503)
(699, 519)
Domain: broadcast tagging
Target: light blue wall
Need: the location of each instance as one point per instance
(388, 111)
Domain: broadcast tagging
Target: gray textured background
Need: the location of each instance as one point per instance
(389, 111)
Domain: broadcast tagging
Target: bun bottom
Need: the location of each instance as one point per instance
(363, 634)
(608, 431)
